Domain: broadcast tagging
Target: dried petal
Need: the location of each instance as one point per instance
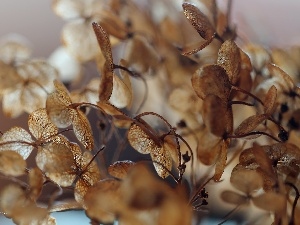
(214, 115)
(60, 155)
(120, 169)
(12, 163)
(234, 198)
(283, 76)
(270, 101)
(199, 21)
(246, 181)
(106, 83)
(57, 106)
(89, 174)
(266, 202)
(229, 58)
(140, 140)
(103, 200)
(40, 126)
(250, 124)
(9, 77)
(36, 181)
(17, 139)
(121, 95)
(211, 79)
(79, 39)
(104, 43)
(82, 130)
(221, 162)
(162, 161)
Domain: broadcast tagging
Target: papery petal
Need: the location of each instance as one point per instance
(17, 139)
(80, 40)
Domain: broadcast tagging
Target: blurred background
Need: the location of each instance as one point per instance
(272, 23)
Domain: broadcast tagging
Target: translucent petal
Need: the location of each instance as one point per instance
(12, 163)
(60, 155)
(14, 48)
(68, 67)
(140, 140)
(11, 103)
(57, 106)
(32, 98)
(120, 169)
(68, 9)
(9, 77)
(121, 95)
(162, 161)
(40, 125)
(89, 175)
(79, 39)
(82, 130)
(17, 139)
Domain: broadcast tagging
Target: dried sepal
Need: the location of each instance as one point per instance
(199, 21)
(266, 201)
(250, 124)
(211, 79)
(234, 198)
(17, 139)
(246, 180)
(12, 163)
(229, 58)
(120, 169)
(270, 101)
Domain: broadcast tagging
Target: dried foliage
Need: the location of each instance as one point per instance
(190, 117)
